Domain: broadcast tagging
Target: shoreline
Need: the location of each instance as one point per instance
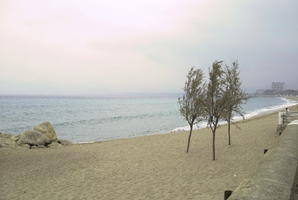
(253, 114)
(290, 103)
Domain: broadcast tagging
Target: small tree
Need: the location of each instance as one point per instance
(235, 96)
(215, 100)
(191, 102)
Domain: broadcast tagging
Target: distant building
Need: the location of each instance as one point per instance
(278, 89)
(278, 86)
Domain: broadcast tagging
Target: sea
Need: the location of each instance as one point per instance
(90, 119)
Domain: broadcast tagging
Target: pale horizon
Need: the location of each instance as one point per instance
(95, 48)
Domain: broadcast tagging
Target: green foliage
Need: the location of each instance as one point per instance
(235, 96)
(191, 102)
(215, 99)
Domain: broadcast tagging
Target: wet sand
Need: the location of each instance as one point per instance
(148, 167)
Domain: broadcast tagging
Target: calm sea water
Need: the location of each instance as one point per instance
(82, 119)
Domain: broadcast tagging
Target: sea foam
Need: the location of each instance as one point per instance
(247, 115)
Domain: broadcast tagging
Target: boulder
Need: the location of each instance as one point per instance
(33, 138)
(46, 129)
(42, 135)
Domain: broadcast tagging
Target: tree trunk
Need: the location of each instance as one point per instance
(229, 131)
(189, 137)
(213, 144)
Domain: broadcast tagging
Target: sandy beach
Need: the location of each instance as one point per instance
(148, 167)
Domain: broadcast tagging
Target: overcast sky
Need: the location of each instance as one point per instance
(91, 47)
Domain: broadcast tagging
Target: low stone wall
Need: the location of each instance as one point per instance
(275, 178)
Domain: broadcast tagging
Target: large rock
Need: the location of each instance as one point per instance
(42, 135)
(46, 129)
(33, 138)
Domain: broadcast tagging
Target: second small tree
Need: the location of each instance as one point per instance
(215, 100)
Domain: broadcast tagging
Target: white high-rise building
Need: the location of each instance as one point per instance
(278, 86)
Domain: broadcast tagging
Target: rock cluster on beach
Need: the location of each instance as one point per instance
(42, 135)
